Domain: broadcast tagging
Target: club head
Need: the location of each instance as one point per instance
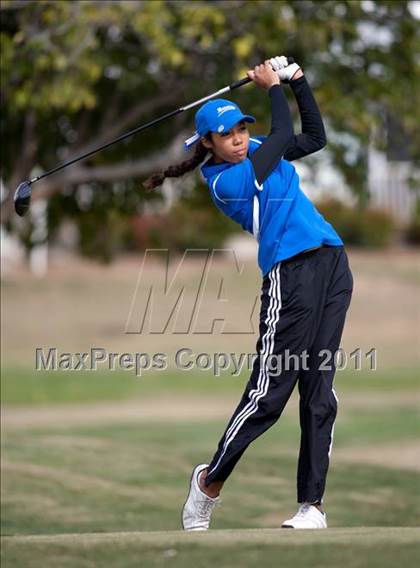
(23, 198)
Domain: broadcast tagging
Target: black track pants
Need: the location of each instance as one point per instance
(304, 302)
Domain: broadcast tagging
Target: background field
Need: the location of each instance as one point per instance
(106, 452)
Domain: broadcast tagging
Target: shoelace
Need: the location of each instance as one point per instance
(205, 507)
(303, 509)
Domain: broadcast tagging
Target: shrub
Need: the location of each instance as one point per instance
(412, 232)
(359, 227)
(183, 227)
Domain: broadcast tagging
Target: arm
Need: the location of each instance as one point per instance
(313, 135)
(265, 159)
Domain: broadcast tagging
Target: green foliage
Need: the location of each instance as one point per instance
(192, 222)
(363, 227)
(185, 228)
(50, 61)
(102, 216)
(74, 72)
(102, 240)
(377, 228)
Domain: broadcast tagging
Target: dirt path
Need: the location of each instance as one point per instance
(179, 409)
(395, 456)
(169, 409)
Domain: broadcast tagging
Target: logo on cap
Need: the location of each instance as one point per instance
(221, 128)
(221, 110)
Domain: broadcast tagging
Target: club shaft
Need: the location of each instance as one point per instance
(230, 87)
(139, 129)
(99, 148)
(217, 93)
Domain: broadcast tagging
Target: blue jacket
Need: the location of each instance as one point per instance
(277, 212)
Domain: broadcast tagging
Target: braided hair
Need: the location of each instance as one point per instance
(180, 169)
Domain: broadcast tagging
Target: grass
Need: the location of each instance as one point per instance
(128, 476)
(99, 484)
(25, 386)
(358, 548)
(95, 470)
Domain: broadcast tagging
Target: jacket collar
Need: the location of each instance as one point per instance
(210, 169)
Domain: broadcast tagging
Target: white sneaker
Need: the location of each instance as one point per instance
(198, 506)
(307, 517)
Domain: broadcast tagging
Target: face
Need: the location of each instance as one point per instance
(231, 146)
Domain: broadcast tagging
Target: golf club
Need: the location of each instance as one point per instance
(23, 193)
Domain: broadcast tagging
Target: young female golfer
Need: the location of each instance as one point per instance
(306, 290)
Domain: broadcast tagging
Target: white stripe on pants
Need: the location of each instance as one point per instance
(255, 395)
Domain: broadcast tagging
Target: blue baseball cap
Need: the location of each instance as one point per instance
(217, 115)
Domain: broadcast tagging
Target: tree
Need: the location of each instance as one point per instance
(76, 74)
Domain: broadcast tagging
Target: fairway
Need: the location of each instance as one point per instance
(358, 547)
(95, 466)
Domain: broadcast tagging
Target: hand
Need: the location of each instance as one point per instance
(292, 71)
(264, 75)
(279, 62)
(285, 71)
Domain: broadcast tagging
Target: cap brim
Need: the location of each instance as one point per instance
(235, 119)
(248, 118)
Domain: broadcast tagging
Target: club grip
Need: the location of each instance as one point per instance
(246, 80)
(239, 83)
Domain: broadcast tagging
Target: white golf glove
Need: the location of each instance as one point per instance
(278, 62)
(283, 69)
